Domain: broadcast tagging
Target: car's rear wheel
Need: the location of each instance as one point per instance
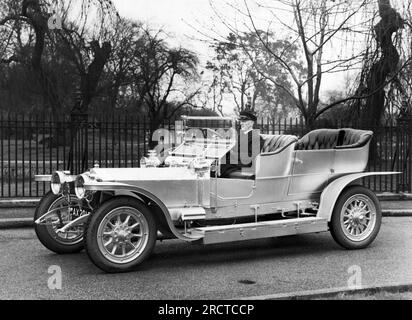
(356, 218)
(61, 243)
(120, 235)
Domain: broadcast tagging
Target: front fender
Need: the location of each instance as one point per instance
(122, 188)
(332, 192)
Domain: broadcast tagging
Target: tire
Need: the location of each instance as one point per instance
(356, 218)
(112, 243)
(46, 233)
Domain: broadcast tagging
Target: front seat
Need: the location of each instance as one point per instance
(271, 144)
(276, 143)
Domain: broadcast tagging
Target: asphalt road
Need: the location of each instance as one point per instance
(182, 271)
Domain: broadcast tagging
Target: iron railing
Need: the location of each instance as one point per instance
(41, 145)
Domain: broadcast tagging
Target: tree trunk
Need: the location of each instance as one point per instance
(391, 22)
(31, 9)
(79, 114)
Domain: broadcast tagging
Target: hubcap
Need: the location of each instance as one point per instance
(358, 217)
(122, 235)
(63, 217)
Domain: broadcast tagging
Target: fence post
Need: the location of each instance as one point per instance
(78, 162)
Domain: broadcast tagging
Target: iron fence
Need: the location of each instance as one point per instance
(41, 145)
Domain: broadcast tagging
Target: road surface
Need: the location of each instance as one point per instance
(178, 270)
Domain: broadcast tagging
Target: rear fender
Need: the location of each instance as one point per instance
(332, 192)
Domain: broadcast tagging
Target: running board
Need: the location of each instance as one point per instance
(260, 230)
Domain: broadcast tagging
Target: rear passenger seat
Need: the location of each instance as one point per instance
(325, 139)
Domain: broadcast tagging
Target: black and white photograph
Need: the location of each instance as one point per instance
(205, 156)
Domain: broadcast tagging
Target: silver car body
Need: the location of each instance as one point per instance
(290, 181)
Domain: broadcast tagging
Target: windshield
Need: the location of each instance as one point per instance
(206, 136)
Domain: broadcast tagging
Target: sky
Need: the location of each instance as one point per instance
(174, 16)
(183, 19)
(180, 18)
(163, 11)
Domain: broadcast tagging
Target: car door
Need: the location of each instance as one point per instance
(311, 171)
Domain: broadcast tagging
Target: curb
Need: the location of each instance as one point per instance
(397, 213)
(334, 292)
(16, 223)
(394, 196)
(19, 203)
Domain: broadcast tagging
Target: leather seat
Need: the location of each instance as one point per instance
(272, 144)
(355, 139)
(276, 143)
(325, 139)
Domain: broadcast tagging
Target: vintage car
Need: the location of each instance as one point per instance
(295, 186)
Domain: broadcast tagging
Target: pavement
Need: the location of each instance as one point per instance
(259, 269)
(397, 290)
(18, 213)
(181, 271)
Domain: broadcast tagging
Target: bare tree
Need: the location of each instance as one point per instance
(122, 65)
(212, 95)
(235, 71)
(81, 35)
(325, 32)
(30, 19)
(390, 60)
(334, 38)
(162, 73)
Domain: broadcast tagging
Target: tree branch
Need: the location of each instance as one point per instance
(407, 63)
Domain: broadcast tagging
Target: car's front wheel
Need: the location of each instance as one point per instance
(356, 218)
(62, 213)
(120, 235)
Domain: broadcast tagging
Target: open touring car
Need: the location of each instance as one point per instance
(295, 186)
